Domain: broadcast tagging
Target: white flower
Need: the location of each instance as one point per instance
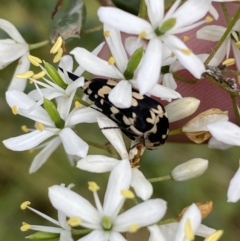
(100, 163)
(160, 31)
(190, 169)
(11, 50)
(121, 94)
(46, 128)
(214, 33)
(105, 220)
(233, 192)
(63, 229)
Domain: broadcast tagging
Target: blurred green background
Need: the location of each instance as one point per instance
(33, 20)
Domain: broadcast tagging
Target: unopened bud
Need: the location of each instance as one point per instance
(181, 108)
(190, 169)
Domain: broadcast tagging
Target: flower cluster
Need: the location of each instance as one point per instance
(146, 57)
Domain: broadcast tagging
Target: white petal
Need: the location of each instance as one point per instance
(164, 92)
(84, 115)
(74, 205)
(115, 236)
(155, 234)
(124, 21)
(72, 143)
(213, 11)
(65, 236)
(74, 85)
(114, 135)
(97, 163)
(23, 66)
(142, 187)
(155, 12)
(114, 42)
(194, 216)
(225, 132)
(169, 230)
(94, 64)
(121, 94)
(133, 43)
(96, 235)
(169, 81)
(215, 144)
(23, 103)
(204, 231)
(233, 192)
(210, 32)
(149, 71)
(143, 214)
(236, 54)
(44, 154)
(11, 31)
(27, 141)
(190, 61)
(66, 62)
(120, 179)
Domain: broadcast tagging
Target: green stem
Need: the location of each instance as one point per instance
(38, 45)
(160, 179)
(225, 12)
(91, 30)
(170, 220)
(225, 35)
(76, 98)
(142, 12)
(175, 132)
(185, 80)
(235, 108)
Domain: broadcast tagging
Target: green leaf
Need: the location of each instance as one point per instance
(128, 6)
(53, 113)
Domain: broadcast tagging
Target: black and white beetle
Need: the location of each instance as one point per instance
(145, 119)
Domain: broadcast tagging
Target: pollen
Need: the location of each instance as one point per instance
(25, 227)
(15, 110)
(208, 19)
(77, 104)
(74, 221)
(143, 34)
(25, 75)
(188, 230)
(229, 62)
(93, 187)
(56, 46)
(39, 75)
(34, 60)
(40, 126)
(134, 228)
(186, 38)
(106, 34)
(58, 56)
(111, 60)
(24, 128)
(24, 205)
(237, 44)
(214, 236)
(127, 194)
(186, 51)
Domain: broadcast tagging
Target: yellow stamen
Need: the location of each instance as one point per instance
(134, 228)
(74, 221)
(229, 62)
(186, 51)
(208, 19)
(39, 75)
(111, 60)
(214, 236)
(15, 110)
(172, 55)
(143, 34)
(186, 38)
(25, 227)
(25, 75)
(188, 230)
(237, 44)
(31, 150)
(31, 81)
(34, 60)
(24, 205)
(106, 34)
(127, 194)
(58, 56)
(40, 126)
(77, 104)
(56, 46)
(24, 128)
(93, 187)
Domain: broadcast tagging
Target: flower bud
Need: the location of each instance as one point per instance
(181, 108)
(43, 236)
(190, 169)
